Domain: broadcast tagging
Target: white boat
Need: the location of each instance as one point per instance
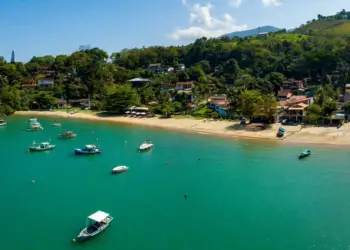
(119, 169)
(56, 124)
(35, 126)
(95, 224)
(2, 123)
(33, 120)
(147, 145)
(44, 146)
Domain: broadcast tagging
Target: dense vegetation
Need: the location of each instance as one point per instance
(248, 70)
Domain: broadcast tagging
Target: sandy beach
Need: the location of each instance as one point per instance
(229, 129)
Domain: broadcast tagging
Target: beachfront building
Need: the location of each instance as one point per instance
(294, 109)
(138, 82)
(219, 103)
(46, 83)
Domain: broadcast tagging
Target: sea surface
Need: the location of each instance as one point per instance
(242, 195)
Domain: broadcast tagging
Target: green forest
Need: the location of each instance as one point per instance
(250, 71)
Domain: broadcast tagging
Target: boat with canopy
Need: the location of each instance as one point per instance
(95, 224)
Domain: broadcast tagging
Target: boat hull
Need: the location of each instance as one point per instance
(82, 152)
(83, 235)
(33, 149)
(145, 148)
(119, 170)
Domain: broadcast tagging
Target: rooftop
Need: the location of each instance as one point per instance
(139, 80)
(98, 216)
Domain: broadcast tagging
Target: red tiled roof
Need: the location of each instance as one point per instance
(219, 102)
(284, 92)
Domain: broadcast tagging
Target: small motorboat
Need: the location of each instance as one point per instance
(2, 123)
(88, 150)
(119, 169)
(67, 135)
(305, 153)
(281, 132)
(35, 126)
(33, 120)
(44, 146)
(95, 224)
(147, 145)
(56, 124)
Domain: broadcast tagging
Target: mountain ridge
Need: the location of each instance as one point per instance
(252, 32)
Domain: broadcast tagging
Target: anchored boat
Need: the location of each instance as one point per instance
(67, 135)
(147, 145)
(2, 123)
(44, 146)
(95, 224)
(305, 153)
(119, 169)
(88, 150)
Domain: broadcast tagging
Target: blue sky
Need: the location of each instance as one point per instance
(53, 27)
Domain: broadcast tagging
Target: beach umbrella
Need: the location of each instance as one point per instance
(127, 112)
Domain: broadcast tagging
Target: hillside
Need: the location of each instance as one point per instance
(328, 27)
(252, 32)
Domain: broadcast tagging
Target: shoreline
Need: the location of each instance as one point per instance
(328, 136)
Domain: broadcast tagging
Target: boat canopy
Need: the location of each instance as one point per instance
(44, 143)
(98, 216)
(90, 146)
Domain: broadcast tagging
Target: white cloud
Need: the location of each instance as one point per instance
(235, 3)
(271, 2)
(202, 23)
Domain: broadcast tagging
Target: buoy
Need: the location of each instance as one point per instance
(73, 240)
(33, 181)
(185, 196)
(166, 164)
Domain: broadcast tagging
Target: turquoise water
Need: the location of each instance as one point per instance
(241, 195)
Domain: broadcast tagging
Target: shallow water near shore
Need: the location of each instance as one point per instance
(241, 194)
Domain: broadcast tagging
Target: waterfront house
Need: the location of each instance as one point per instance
(294, 109)
(138, 82)
(46, 83)
(219, 103)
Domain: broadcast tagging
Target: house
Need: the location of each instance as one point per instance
(347, 89)
(262, 34)
(156, 67)
(29, 83)
(138, 82)
(285, 94)
(46, 83)
(169, 69)
(46, 71)
(179, 86)
(293, 84)
(346, 98)
(219, 103)
(294, 109)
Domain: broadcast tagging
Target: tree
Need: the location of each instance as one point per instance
(347, 108)
(167, 110)
(250, 103)
(313, 114)
(276, 79)
(123, 97)
(45, 100)
(329, 107)
(269, 104)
